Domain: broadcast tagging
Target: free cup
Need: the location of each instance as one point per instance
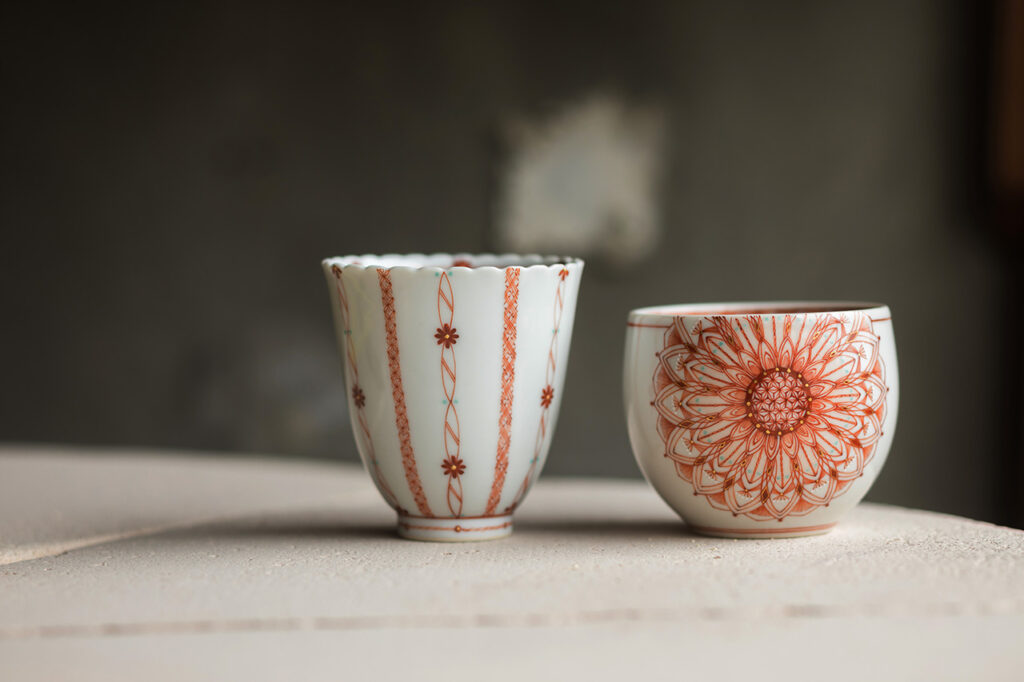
(454, 365)
(761, 419)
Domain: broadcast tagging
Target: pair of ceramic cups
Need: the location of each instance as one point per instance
(750, 420)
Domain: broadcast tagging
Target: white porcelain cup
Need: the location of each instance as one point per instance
(761, 420)
(454, 366)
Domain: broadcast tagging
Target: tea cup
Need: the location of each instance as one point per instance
(761, 420)
(454, 366)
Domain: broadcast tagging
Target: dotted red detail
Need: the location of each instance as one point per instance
(508, 373)
(412, 476)
(778, 400)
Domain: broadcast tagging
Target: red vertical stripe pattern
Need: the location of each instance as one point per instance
(387, 299)
(508, 374)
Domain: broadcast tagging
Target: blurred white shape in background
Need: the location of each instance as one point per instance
(584, 182)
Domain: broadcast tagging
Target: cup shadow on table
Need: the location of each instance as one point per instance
(606, 528)
(291, 526)
(328, 525)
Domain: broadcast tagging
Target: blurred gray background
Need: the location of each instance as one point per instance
(172, 174)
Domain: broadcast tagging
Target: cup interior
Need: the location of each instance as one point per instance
(449, 260)
(755, 308)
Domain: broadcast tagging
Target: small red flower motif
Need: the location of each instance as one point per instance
(563, 274)
(358, 396)
(453, 467)
(461, 263)
(547, 395)
(446, 336)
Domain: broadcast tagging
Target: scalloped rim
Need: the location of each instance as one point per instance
(765, 308)
(524, 261)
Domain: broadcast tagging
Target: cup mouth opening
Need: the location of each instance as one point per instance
(756, 308)
(449, 261)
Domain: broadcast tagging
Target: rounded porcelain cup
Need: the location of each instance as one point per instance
(454, 366)
(761, 420)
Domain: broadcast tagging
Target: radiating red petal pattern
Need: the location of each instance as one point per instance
(770, 416)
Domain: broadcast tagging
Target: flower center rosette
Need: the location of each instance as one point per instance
(770, 416)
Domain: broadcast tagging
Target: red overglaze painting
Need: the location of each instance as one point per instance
(358, 395)
(412, 476)
(447, 336)
(508, 375)
(770, 417)
(547, 393)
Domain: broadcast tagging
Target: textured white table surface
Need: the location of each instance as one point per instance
(150, 566)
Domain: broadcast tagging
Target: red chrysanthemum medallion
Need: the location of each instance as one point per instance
(770, 416)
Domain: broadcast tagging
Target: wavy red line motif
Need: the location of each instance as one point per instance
(387, 298)
(358, 397)
(508, 374)
(548, 392)
(447, 337)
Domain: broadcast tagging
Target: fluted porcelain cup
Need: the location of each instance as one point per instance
(760, 420)
(454, 366)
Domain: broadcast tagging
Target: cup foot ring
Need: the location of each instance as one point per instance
(763, 533)
(471, 529)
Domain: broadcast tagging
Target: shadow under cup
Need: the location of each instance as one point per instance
(761, 419)
(454, 365)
